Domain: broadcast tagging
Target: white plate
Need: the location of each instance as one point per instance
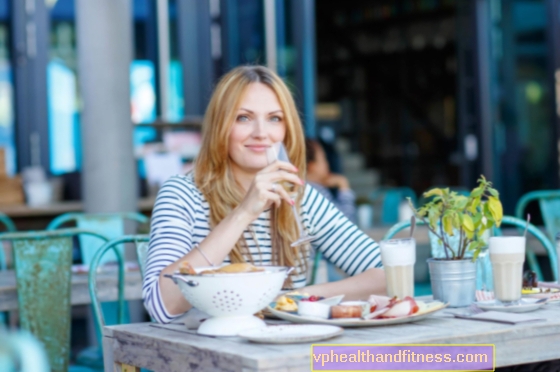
(425, 310)
(291, 333)
(526, 305)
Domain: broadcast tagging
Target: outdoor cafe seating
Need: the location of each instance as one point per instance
(176, 343)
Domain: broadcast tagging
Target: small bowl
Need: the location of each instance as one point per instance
(364, 304)
(332, 301)
(314, 309)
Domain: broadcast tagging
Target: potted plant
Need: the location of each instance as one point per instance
(460, 223)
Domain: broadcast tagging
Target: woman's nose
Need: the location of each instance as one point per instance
(259, 130)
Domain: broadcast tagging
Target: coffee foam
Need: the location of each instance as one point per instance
(398, 252)
(506, 244)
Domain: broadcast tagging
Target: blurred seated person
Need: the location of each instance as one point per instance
(334, 187)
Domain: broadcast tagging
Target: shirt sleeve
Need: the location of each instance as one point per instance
(171, 234)
(336, 237)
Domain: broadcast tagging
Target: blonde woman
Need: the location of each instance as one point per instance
(229, 209)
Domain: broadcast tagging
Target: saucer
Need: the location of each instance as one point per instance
(525, 305)
(291, 333)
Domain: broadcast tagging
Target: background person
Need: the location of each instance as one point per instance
(334, 187)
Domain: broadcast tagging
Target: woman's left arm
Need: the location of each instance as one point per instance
(344, 245)
(357, 287)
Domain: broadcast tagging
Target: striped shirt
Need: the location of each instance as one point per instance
(180, 219)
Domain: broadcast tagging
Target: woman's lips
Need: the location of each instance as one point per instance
(257, 148)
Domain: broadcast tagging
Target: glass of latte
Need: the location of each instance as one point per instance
(507, 254)
(399, 256)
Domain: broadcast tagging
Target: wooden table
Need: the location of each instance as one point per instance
(174, 348)
(106, 288)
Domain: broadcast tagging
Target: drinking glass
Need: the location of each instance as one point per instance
(278, 152)
(507, 254)
(398, 257)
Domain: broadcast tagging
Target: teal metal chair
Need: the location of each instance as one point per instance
(386, 202)
(111, 226)
(9, 226)
(94, 266)
(142, 251)
(43, 267)
(21, 352)
(549, 203)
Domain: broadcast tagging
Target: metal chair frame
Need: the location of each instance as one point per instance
(42, 261)
(111, 245)
(551, 221)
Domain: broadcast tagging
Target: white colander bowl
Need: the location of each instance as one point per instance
(231, 299)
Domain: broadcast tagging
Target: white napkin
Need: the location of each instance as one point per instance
(501, 317)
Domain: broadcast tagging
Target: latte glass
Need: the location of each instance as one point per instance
(399, 257)
(507, 254)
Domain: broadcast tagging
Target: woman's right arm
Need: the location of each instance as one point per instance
(171, 242)
(171, 236)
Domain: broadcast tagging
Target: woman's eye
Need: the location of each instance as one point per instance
(242, 118)
(276, 118)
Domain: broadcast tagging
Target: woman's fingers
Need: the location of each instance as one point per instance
(280, 165)
(283, 194)
(279, 176)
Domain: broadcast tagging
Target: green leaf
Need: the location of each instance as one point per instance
(468, 223)
(433, 192)
(474, 205)
(477, 192)
(448, 224)
(494, 192)
(495, 208)
(461, 202)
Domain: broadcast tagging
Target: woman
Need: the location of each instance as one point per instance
(323, 180)
(232, 209)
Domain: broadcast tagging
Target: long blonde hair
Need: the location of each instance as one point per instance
(212, 168)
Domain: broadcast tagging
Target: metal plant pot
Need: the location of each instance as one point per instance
(453, 281)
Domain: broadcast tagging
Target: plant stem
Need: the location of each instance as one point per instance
(445, 244)
(462, 246)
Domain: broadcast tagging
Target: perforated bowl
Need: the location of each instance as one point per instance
(231, 299)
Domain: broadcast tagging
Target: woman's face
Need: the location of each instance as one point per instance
(258, 124)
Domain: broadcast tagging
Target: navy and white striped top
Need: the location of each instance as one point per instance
(180, 219)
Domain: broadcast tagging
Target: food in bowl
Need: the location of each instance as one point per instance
(285, 303)
(346, 311)
(314, 309)
(186, 268)
(234, 268)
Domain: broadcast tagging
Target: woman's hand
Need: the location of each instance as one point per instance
(266, 188)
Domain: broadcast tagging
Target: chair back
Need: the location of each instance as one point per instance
(42, 262)
(21, 352)
(10, 227)
(93, 269)
(142, 244)
(110, 225)
(549, 203)
(386, 202)
(7, 222)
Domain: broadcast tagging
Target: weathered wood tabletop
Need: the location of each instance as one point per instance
(107, 289)
(174, 348)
